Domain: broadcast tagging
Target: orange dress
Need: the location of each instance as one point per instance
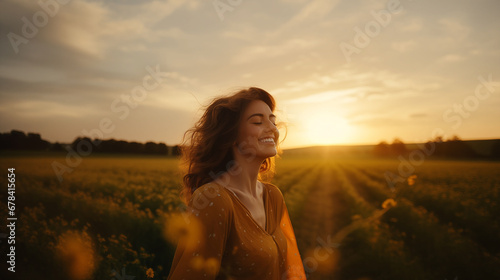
(223, 241)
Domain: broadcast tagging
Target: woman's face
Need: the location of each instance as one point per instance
(258, 134)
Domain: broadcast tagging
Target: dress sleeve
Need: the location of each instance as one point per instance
(202, 243)
(294, 267)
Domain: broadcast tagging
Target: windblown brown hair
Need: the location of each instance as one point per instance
(206, 151)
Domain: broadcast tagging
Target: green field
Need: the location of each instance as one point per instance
(109, 214)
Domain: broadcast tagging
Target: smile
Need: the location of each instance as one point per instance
(267, 140)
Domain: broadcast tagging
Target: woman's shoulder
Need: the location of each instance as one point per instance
(273, 191)
(276, 200)
(209, 195)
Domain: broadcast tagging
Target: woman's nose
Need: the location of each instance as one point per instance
(272, 127)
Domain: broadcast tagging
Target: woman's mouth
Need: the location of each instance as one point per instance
(267, 140)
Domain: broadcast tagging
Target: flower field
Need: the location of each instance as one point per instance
(110, 218)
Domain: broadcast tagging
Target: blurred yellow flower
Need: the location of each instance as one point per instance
(212, 266)
(76, 251)
(150, 273)
(183, 226)
(356, 217)
(197, 262)
(388, 203)
(411, 180)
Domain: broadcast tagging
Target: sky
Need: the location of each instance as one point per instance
(342, 72)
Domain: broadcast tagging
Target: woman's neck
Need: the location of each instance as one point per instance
(244, 174)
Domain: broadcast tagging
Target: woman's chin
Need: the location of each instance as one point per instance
(269, 152)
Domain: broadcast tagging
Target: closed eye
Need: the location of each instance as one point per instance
(259, 119)
(261, 123)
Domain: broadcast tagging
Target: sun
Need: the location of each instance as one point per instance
(326, 128)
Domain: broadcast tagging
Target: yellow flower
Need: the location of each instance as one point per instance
(76, 251)
(356, 217)
(388, 203)
(212, 265)
(183, 226)
(197, 262)
(150, 273)
(411, 180)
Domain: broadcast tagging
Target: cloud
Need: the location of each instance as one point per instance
(262, 52)
(454, 28)
(341, 95)
(451, 58)
(411, 25)
(85, 47)
(45, 109)
(404, 46)
(154, 11)
(418, 115)
(314, 10)
(92, 52)
(376, 121)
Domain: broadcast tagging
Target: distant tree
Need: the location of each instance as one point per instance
(453, 148)
(398, 147)
(176, 150)
(56, 147)
(3, 141)
(382, 149)
(136, 147)
(150, 148)
(437, 143)
(121, 146)
(156, 148)
(82, 144)
(18, 140)
(495, 150)
(438, 139)
(34, 142)
(162, 149)
(107, 146)
(457, 148)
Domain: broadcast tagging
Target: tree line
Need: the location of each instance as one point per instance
(453, 147)
(18, 140)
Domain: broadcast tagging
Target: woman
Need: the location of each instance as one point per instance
(238, 225)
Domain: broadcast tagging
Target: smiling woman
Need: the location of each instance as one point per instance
(238, 226)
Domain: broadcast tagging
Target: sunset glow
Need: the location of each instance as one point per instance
(324, 128)
(341, 72)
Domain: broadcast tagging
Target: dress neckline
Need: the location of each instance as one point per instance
(249, 214)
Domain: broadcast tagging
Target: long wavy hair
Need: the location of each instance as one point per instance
(206, 152)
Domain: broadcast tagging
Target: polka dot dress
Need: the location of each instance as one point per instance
(231, 244)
